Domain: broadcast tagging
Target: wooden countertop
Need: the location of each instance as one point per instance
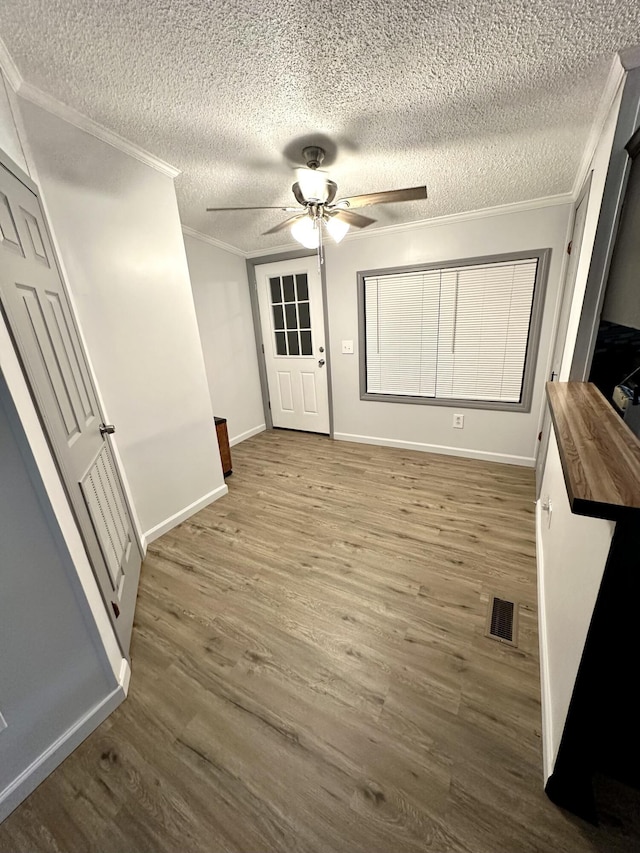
(599, 453)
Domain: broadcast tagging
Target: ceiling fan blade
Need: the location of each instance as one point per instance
(282, 225)
(218, 209)
(351, 218)
(409, 194)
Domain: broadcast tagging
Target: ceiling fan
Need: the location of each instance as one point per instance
(315, 194)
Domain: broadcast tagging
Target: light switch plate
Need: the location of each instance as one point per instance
(347, 347)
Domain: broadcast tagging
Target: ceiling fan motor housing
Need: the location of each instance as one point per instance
(313, 156)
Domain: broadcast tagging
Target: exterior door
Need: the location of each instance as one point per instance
(40, 320)
(579, 219)
(292, 317)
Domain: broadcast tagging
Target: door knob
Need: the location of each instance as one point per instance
(107, 429)
(321, 362)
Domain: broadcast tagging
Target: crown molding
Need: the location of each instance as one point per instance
(466, 216)
(52, 105)
(274, 250)
(82, 122)
(206, 238)
(47, 102)
(9, 68)
(615, 79)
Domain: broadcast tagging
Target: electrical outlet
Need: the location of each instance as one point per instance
(458, 421)
(3, 723)
(347, 347)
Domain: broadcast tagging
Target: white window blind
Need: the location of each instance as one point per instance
(456, 333)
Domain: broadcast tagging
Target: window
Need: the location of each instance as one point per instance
(291, 314)
(465, 331)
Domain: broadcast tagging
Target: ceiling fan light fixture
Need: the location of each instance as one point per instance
(313, 184)
(337, 228)
(306, 232)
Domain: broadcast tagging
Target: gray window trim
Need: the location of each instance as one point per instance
(543, 257)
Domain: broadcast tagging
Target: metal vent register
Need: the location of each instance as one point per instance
(502, 620)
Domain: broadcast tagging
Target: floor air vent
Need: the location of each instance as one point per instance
(502, 620)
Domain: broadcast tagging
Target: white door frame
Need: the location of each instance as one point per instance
(567, 290)
(254, 262)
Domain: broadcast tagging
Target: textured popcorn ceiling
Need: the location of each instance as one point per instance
(486, 102)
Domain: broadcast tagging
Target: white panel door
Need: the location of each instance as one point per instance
(292, 318)
(41, 322)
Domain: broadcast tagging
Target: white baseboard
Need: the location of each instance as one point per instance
(545, 686)
(488, 456)
(54, 755)
(246, 434)
(183, 514)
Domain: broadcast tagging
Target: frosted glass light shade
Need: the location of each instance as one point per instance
(313, 184)
(337, 228)
(305, 232)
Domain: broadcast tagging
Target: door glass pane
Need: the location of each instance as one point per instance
(292, 320)
(278, 317)
(276, 295)
(287, 285)
(302, 287)
(291, 312)
(305, 319)
(292, 338)
(305, 343)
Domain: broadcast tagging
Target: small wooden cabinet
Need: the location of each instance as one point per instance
(223, 444)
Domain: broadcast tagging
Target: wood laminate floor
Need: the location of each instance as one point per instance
(311, 674)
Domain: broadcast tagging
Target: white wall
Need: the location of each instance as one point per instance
(503, 436)
(9, 138)
(223, 309)
(116, 224)
(571, 550)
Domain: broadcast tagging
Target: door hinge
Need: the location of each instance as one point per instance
(262, 345)
(569, 247)
(269, 404)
